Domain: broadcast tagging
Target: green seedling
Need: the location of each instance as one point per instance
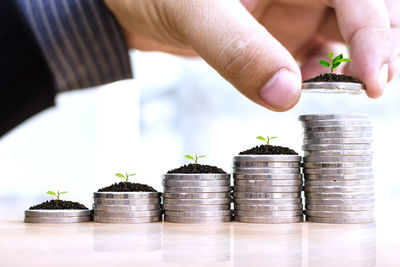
(57, 195)
(126, 176)
(195, 158)
(335, 62)
(267, 138)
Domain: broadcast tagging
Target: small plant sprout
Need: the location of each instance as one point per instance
(126, 176)
(195, 158)
(57, 195)
(335, 62)
(267, 138)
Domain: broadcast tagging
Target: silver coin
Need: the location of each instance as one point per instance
(323, 147)
(274, 213)
(339, 183)
(217, 219)
(339, 201)
(176, 207)
(340, 214)
(261, 196)
(196, 176)
(338, 189)
(338, 153)
(199, 201)
(349, 128)
(267, 189)
(312, 135)
(208, 213)
(127, 214)
(267, 170)
(57, 213)
(333, 87)
(293, 219)
(268, 207)
(351, 195)
(339, 177)
(337, 159)
(267, 158)
(341, 220)
(182, 183)
(266, 176)
(77, 219)
(116, 208)
(325, 123)
(319, 165)
(101, 219)
(339, 207)
(269, 164)
(126, 195)
(196, 195)
(264, 201)
(135, 201)
(312, 117)
(337, 170)
(316, 141)
(268, 182)
(214, 189)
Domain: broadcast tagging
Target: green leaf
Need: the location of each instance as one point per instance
(64, 192)
(261, 138)
(51, 193)
(337, 58)
(335, 65)
(120, 175)
(189, 157)
(331, 55)
(344, 60)
(132, 174)
(202, 156)
(273, 137)
(324, 63)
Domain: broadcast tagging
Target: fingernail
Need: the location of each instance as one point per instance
(383, 76)
(282, 90)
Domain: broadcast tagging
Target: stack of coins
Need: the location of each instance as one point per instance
(127, 207)
(197, 198)
(267, 188)
(57, 216)
(339, 186)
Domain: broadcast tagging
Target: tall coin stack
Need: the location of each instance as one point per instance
(197, 198)
(127, 207)
(267, 188)
(339, 185)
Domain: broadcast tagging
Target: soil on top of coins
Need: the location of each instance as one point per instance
(56, 204)
(127, 187)
(333, 77)
(269, 150)
(197, 168)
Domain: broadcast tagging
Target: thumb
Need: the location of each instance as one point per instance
(242, 51)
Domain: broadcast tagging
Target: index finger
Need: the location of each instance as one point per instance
(365, 25)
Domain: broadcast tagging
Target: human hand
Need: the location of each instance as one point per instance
(233, 38)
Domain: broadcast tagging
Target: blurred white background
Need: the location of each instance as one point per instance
(173, 107)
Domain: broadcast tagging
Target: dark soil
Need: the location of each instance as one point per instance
(59, 205)
(269, 150)
(332, 77)
(127, 187)
(197, 168)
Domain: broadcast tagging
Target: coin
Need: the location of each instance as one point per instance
(337, 170)
(324, 123)
(57, 213)
(337, 159)
(267, 170)
(267, 158)
(264, 201)
(269, 164)
(317, 141)
(193, 201)
(209, 213)
(268, 182)
(101, 219)
(312, 165)
(181, 183)
(134, 201)
(349, 128)
(351, 195)
(361, 176)
(339, 207)
(312, 135)
(268, 207)
(340, 214)
(265, 195)
(339, 183)
(127, 214)
(322, 147)
(217, 219)
(177, 207)
(196, 176)
(339, 201)
(274, 213)
(196, 195)
(293, 219)
(267, 189)
(115, 208)
(333, 87)
(338, 189)
(312, 117)
(170, 189)
(126, 195)
(339, 153)
(341, 220)
(70, 219)
(266, 176)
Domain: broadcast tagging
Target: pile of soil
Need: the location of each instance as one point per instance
(59, 205)
(269, 150)
(197, 168)
(333, 77)
(127, 187)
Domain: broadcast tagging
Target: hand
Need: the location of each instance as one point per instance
(233, 38)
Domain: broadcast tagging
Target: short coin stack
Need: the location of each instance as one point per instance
(57, 216)
(267, 188)
(339, 185)
(197, 198)
(127, 207)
